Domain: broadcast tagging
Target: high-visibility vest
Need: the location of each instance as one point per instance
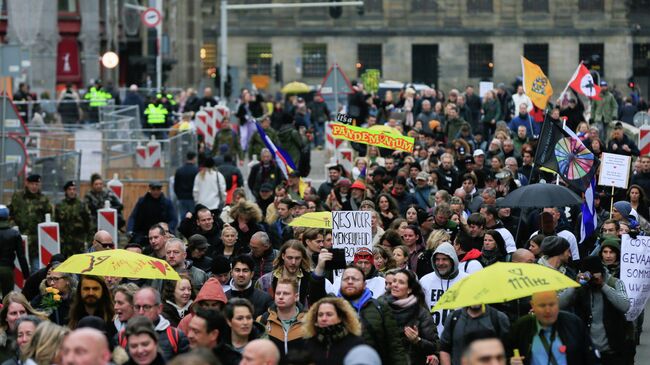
(170, 98)
(97, 97)
(156, 114)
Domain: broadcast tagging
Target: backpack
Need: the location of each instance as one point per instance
(494, 319)
(172, 336)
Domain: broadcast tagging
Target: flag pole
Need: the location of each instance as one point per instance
(611, 204)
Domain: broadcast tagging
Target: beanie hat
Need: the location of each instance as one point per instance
(358, 185)
(364, 254)
(220, 265)
(612, 242)
(554, 246)
(593, 264)
(624, 208)
(367, 203)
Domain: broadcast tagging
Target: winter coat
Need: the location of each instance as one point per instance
(325, 353)
(264, 264)
(414, 315)
(149, 211)
(606, 109)
(211, 290)
(286, 341)
(227, 354)
(210, 189)
(291, 142)
(167, 336)
(260, 300)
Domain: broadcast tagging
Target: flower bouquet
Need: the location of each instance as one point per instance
(51, 300)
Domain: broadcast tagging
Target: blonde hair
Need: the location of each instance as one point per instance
(344, 310)
(45, 343)
(228, 227)
(437, 237)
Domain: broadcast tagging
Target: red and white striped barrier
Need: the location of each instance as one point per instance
(49, 241)
(107, 220)
(154, 153)
(330, 142)
(644, 140)
(116, 186)
(206, 126)
(19, 277)
(346, 157)
(141, 156)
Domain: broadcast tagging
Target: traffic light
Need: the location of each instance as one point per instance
(360, 10)
(336, 11)
(630, 83)
(278, 72)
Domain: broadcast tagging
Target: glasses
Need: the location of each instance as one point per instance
(352, 279)
(145, 307)
(106, 244)
(53, 279)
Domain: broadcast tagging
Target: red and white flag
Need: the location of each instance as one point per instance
(583, 83)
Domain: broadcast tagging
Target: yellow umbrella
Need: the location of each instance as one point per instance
(120, 263)
(313, 220)
(295, 87)
(502, 282)
(387, 129)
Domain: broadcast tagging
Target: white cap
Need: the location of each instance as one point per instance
(479, 152)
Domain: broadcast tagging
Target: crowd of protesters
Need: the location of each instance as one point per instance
(255, 290)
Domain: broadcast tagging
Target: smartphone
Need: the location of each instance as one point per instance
(338, 259)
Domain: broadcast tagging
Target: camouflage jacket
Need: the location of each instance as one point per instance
(95, 201)
(28, 210)
(74, 221)
(229, 138)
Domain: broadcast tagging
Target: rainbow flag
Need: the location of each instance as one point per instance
(282, 158)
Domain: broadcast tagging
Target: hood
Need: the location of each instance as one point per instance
(211, 290)
(163, 323)
(473, 254)
(448, 250)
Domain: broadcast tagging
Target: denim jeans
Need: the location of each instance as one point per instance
(184, 206)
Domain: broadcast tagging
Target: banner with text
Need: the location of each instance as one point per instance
(373, 137)
(351, 230)
(635, 272)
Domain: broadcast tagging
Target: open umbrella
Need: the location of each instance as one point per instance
(313, 220)
(540, 196)
(121, 263)
(385, 128)
(503, 282)
(295, 87)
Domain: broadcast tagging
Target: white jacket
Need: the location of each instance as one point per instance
(518, 100)
(209, 189)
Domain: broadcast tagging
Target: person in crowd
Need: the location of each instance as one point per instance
(241, 285)
(210, 188)
(494, 249)
(157, 241)
(263, 254)
(14, 307)
(66, 285)
(383, 259)
(406, 301)
(123, 299)
(638, 200)
(534, 245)
(262, 352)
(413, 241)
(642, 178)
(202, 222)
(152, 208)
(86, 346)
(74, 221)
(549, 335)
(247, 217)
(92, 298)
(401, 255)
(284, 318)
(446, 272)
(175, 256)
(25, 328)
(483, 347)
(197, 248)
(142, 341)
(292, 263)
(205, 328)
(264, 172)
(388, 209)
(184, 184)
(241, 330)
(556, 254)
(621, 144)
(331, 330)
(468, 256)
(210, 297)
(98, 195)
(11, 250)
(610, 255)
(178, 296)
(44, 348)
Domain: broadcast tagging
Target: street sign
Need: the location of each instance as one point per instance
(13, 123)
(335, 85)
(151, 17)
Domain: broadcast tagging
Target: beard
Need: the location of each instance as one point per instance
(352, 294)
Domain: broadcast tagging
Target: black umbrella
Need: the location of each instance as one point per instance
(540, 196)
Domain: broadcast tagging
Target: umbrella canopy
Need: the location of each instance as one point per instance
(507, 281)
(313, 220)
(540, 196)
(119, 263)
(295, 87)
(387, 129)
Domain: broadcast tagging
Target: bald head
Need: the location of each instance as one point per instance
(260, 352)
(103, 241)
(85, 346)
(523, 255)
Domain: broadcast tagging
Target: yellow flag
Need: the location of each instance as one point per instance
(536, 85)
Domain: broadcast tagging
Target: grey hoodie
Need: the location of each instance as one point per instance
(434, 285)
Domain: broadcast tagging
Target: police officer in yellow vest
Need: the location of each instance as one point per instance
(156, 114)
(97, 97)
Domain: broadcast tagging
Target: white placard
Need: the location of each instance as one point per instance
(484, 87)
(614, 170)
(635, 273)
(351, 230)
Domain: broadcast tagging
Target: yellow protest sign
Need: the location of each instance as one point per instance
(373, 137)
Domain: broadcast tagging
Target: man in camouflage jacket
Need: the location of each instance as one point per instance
(74, 221)
(95, 198)
(28, 209)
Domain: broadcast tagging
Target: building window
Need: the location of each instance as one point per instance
(424, 61)
(591, 5)
(67, 6)
(537, 54)
(368, 57)
(314, 60)
(593, 56)
(536, 6)
(259, 58)
(641, 59)
(373, 6)
(480, 60)
(424, 6)
(479, 6)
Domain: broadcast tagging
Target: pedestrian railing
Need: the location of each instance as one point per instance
(57, 112)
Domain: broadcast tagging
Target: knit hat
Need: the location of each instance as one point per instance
(367, 203)
(358, 185)
(554, 246)
(593, 264)
(364, 254)
(197, 241)
(624, 208)
(612, 242)
(220, 265)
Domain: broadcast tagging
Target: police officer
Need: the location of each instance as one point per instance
(97, 97)
(74, 221)
(28, 208)
(156, 114)
(11, 246)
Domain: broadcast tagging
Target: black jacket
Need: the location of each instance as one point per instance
(184, 181)
(324, 354)
(227, 354)
(12, 247)
(570, 329)
(261, 300)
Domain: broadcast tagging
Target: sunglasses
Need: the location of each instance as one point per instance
(106, 244)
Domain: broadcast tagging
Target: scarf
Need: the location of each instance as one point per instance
(358, 304)
(331, 334)
(489, 256)
(181, 311)
(406, 302)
